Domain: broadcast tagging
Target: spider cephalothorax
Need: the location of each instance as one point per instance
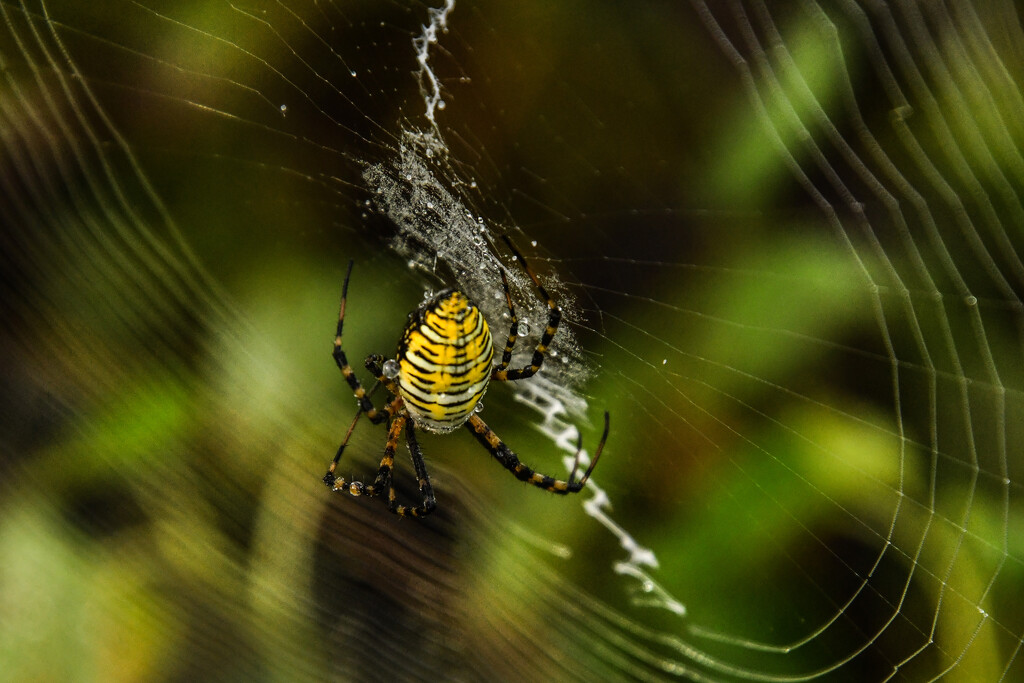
(437, 378)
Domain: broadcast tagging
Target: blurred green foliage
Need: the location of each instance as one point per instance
(162, 516)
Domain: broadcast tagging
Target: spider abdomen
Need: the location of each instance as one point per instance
(445, 361)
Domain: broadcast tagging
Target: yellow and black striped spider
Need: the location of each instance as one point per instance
(437, 377)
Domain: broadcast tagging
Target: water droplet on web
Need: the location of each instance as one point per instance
(648, 586)
(533, 243)
(479, 407)
(391, 368)
(284, 109)
(524, 328)
(441, 104)
(427, 293)
(430, 205)
(472, 184)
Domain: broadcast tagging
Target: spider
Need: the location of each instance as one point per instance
(437, 377)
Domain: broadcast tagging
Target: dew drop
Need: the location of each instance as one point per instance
(971, 300)
(524, 328)
(284, 109)
(441, 104)
(533, 243)
(479, 408)
(391, 368)
(430, 205)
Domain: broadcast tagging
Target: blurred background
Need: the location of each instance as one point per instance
(786, 238)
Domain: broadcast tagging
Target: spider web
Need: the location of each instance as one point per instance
(785, 237)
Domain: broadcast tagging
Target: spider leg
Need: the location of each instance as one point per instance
(510, 461)
(365, 405)
(390, 410)
(513, 331)
(384, 474)
(426, 490)
(554, 317)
